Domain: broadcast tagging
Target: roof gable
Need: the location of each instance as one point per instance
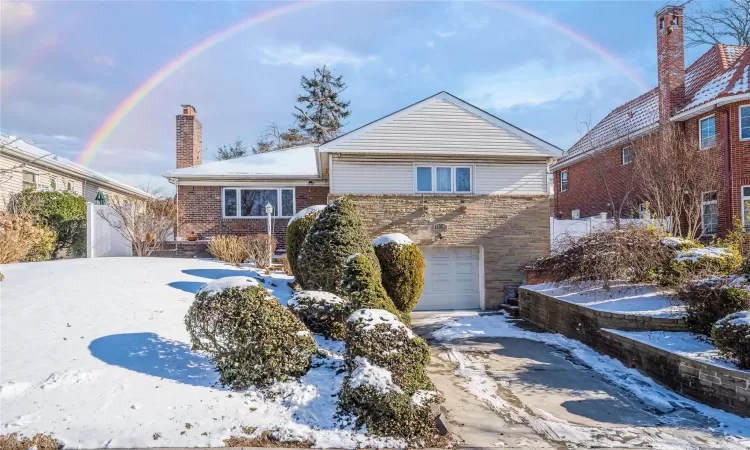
(733, 81)
(441, 124)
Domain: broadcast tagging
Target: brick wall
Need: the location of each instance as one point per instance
(189, 140)
(200, 212)
(512, 230)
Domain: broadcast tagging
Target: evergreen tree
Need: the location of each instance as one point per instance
(322, 109)
(231, 151)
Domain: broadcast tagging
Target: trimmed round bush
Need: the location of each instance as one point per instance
(387, 342)
(402, 267)
(249, 336)
(732, 337)
(362, 286)
(296, 231)
(324, 313)
(709, 300)
(336, 234)
(370, 394)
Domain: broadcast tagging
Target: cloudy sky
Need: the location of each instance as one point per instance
(543, 66)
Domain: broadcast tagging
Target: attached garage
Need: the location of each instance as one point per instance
(453, 278)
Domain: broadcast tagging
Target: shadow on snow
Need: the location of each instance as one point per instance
(215, 274)
(191, 287)
(153, 355)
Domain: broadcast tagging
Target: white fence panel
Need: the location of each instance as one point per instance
(560, 229)
(101, 239)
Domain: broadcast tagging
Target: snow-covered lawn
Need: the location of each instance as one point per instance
(735, 428)
(681, 343)
(95, 352)
(625, 298)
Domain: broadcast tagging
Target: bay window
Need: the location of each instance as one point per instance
(443, 179)
(251, 203)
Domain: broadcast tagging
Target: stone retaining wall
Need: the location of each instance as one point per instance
(715, 386)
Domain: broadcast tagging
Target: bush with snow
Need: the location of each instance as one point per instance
(696, 263)
(731, 336)
(361, 284)
(402, 266)
(709, 300)
(336, 234)
(324, 313)
(296, 230)
(250, 338)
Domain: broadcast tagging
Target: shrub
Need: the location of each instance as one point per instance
(336, 234)
(284, 261)
(62, 212)
(23, 240)
(298, 227)
(322, 312)
(362, 286)
(249, 336)
(260, 248)
(732, 337)
(378, 403)
(709, 300)
(633, 253)
(697, 263)
(228, 248)
(44, 247)
(402, 267)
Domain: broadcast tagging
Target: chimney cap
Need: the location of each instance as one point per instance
(670, 9)
(188, 109)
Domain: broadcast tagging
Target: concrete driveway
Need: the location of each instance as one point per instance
(518, 393)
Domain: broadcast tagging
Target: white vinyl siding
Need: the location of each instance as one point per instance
(359, 176)
(11, 182)
(437, 127)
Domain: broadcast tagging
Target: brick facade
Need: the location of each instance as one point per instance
(512, 230)
(200, 212)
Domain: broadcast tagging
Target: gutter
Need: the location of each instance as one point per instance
(706, 107)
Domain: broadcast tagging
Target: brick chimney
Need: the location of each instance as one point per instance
(189, 138)
(670, 48)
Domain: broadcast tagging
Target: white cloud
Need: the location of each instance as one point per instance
(296, 56)
(104, 61)
(534, 83)
(430, 44)
(14, 16)
(445, 34)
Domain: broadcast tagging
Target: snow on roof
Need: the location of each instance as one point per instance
(392, 238)
(29, 150)
(642, 113)
(295, 162)
(306, 212)
(218, 286)
(731, 82)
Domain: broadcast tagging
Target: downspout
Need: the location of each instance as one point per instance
(727, 172)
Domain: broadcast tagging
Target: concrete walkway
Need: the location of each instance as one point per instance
(516, 393)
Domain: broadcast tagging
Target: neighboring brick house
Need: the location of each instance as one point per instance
(707, 99)
(470, 189)
(23, 165)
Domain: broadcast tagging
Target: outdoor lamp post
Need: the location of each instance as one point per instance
(269, 210)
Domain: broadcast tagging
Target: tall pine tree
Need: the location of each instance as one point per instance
(322, 110)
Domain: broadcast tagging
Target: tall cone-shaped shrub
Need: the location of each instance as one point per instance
(335, 235)
(298, 227)
(402, 266)
(362, 286)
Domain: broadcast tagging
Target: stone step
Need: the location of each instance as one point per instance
(514, 311)
(512, 301)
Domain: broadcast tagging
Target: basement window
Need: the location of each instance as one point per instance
(709, 213)
(251, 203)
(707, 132)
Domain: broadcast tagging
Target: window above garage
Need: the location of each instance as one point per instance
(442, 179)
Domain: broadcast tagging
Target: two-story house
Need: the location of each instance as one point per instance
(710, 100)
(469, 188)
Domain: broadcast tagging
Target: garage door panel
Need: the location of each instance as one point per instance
(451, 278)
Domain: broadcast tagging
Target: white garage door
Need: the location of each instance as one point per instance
(451, 279)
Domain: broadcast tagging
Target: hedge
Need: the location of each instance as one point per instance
(402, 266)
(709, 300)
(296, 231)
(324, 313)
(732, 337)
(62, 212)
(362, 286)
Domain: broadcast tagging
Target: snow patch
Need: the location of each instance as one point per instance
(421, 397)
(306, 212)
(218, 286)
(674, 241)
(694, 254)
(392, 238)
(318, 296)
(59, 379)
(374, 317)
(741, 318)
(12, 389)
(367, 374)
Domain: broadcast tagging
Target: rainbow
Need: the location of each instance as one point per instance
(115, 117)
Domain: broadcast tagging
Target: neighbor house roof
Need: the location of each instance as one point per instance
(640, 115)
(294, 163)
(31, 154)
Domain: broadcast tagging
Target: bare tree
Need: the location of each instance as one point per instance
(726, 23)
(672, 175)
(144, 222)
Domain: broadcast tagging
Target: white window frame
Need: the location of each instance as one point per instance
(700, 132)
(739, 121)
(564, 188)
(629, 147)
(36, 179)
(743, 197)
(277, 206)
(711, 202)
(453, 167)
(575, 214)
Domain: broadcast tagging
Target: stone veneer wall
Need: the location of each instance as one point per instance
(512, 229)
(722, 388)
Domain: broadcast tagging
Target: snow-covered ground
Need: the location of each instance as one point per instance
(682, 343)
(625, 298)
(95, 352)
(736, 430)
